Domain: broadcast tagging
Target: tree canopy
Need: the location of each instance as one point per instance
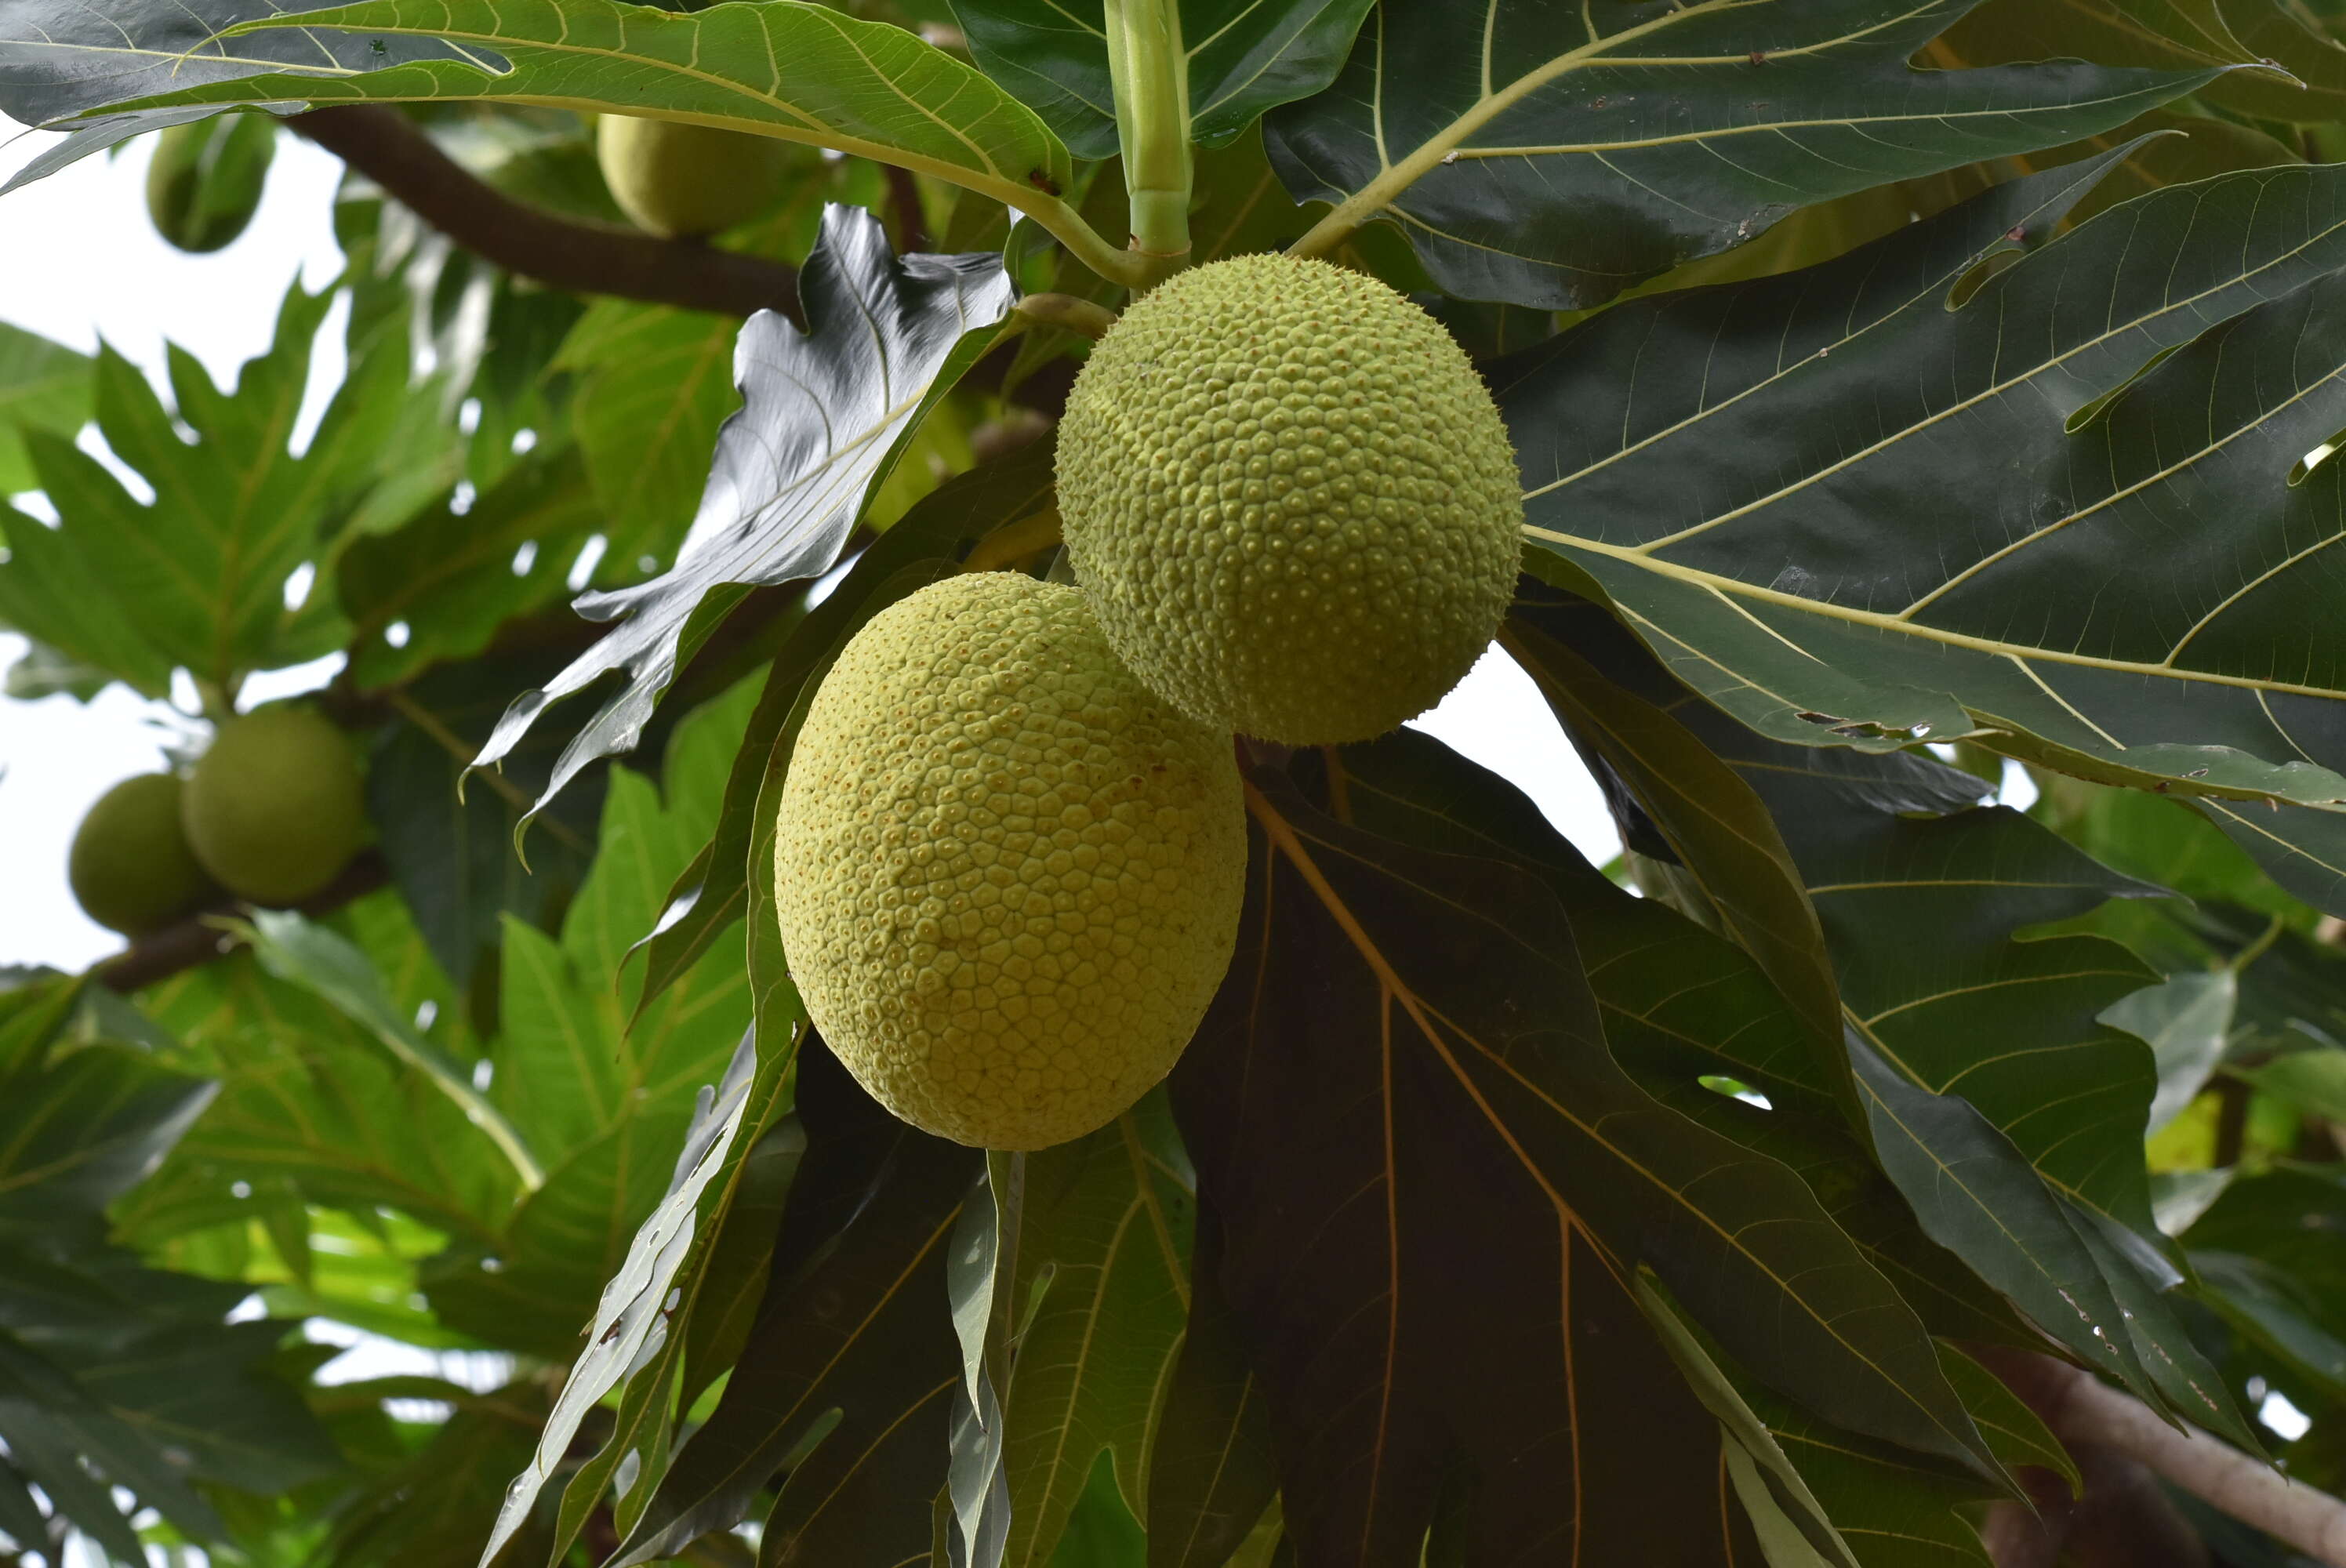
(1924, 1145)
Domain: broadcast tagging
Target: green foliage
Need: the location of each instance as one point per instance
(1884, 378)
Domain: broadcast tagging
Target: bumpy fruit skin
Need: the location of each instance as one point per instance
(131, 867)
(683, 180)
(275, 808)
(205, 180)
(1007, 876)
(1292, 499)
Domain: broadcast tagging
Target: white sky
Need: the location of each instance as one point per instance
(79, 260)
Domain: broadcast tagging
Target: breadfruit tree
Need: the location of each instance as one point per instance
(862, 920)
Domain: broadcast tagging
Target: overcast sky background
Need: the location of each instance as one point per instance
(78, 261)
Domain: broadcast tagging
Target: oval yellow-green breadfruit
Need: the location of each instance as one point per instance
(678, 180)
(206, 178)
(131, 867)
(275, 809)
(1007, 876)
(1292, 499)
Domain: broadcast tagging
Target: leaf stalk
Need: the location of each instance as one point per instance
(1151, 72)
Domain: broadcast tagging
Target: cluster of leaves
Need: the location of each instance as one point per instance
(1910, 396)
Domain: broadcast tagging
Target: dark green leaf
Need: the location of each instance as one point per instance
(802, 74)
(437, 1506)
(1210, 1476)
(1901, 568)
(1686, 1013)
(1241, 60)
(450, 841)
(1102, 1283)
(1553, 156)
(854, 1320)
(1716, 828)
(1402, 1040)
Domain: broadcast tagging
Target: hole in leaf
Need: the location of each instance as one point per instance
(590, 555)
(1735, 1089)
(2302, 469)
(1977, 277)
(2108, 400)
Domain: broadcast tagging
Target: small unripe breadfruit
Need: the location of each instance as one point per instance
(1007, 875)
(680, 181)
(275, 808)
(130, 867)
(205, 180)
(1291, 500)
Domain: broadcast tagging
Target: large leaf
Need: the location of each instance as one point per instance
(603, 1100)
(450, 578)
(798, 71)
(449, 841)
(338, 972)
(632, 1321)
(307, 1096)
(1210, 1471)
(1242, 59)
(103, 1360)
(42, 384)
(2173, 34)
(654, 386)
(1988, 1077)
(124, 589)
(1101, 1279)
(1425, 1086)
(1686, 1013)
(823, 416)
(1552, 156)
(1838, 551)
(854, 1320)
(59, 59)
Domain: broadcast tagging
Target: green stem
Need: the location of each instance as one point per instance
(1151, 72)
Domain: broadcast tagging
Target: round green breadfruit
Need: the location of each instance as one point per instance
(1007, 876)
(205, 180)
(684, 180)
(130, 867)
(1291, 500)
(275, 808)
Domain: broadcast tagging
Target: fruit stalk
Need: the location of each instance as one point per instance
(1151, 72)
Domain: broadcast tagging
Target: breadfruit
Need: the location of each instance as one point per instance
(130, 867)
(207, 177)
(1291, 498)
(676, 180)
(1007, 876)
(274, 808)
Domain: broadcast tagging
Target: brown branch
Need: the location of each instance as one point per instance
(195, 939)
(905, 205)
(2083, 1410)
(583, 258)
